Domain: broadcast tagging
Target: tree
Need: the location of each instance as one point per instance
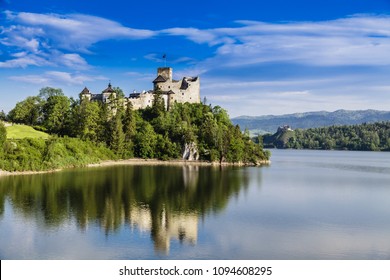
(145, 140)
(27, 111)
(117, 137)
(3, 116)
(119, 92)
(129, 129)
(55, 113)
(88, 120)
(3, 135)
(47, 92)
(158, 107)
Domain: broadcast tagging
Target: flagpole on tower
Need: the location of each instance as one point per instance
(165, 60)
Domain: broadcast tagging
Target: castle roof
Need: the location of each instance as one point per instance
(184, 84)
(96, 97)
(85, 91)
(159, 79)
(108, 89)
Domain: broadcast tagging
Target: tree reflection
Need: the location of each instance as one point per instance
(166, 201)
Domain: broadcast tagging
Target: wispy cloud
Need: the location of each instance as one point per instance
(57, 77)
(58, 40)
(356, 40)
(75, 31)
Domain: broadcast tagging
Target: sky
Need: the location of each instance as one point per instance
(253, 57)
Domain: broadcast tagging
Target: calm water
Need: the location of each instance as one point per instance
(305, 205)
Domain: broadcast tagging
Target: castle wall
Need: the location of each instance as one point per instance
(142, 101)
(190, 95)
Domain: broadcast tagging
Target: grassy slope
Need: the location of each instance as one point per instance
(18, 131)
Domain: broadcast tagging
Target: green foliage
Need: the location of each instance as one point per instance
(88, 120)
(3, 116)
(117, 136)
(3, 135)
(363, 137)
(48, 92)
(27, 111)
(145, 140)
(20, 131)
(209, 128)
(40, 154)
(119, 92)
(129, 128)
(55, 113)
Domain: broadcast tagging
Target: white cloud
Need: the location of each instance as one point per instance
(209, 36)
(72, 60)
(358, 40)
(58, 40)
(24, 60)
(57, 78)
(77, 31)
(346, 91)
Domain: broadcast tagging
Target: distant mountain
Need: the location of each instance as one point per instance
(270, 123)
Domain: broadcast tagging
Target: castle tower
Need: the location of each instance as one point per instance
(85, 94)
(165, 72)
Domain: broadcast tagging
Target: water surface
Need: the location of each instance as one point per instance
(305, 205)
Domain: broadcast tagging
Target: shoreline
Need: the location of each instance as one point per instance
(136, 161)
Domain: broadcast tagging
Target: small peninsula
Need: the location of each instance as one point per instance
(166, 123)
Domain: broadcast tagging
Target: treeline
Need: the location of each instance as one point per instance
(149, 133)
(363, 137)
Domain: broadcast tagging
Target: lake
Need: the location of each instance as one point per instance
(304, 205)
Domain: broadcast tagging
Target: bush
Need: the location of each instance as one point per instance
(54, 153)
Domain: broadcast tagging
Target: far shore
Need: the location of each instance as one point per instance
(137, 161)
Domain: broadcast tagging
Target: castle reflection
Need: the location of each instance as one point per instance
(166, 226)
(164, 201)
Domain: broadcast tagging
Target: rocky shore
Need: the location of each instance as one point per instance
(137, 161)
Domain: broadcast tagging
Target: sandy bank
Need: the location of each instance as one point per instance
(135, 161)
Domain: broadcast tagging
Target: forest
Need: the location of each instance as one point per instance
(362, 137)
(85, 132)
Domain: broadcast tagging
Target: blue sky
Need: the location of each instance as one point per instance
(253, 57)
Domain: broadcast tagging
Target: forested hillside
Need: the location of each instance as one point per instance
(270, 123)
(363, 137)
(112, 130)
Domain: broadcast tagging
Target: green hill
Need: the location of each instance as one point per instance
(362, 137)
(19, 131)
(279, 139)
(270, 123)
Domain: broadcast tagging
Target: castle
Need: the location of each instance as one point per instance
(181, 91)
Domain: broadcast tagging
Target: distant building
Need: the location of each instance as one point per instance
(284, 128)
(181, 91)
